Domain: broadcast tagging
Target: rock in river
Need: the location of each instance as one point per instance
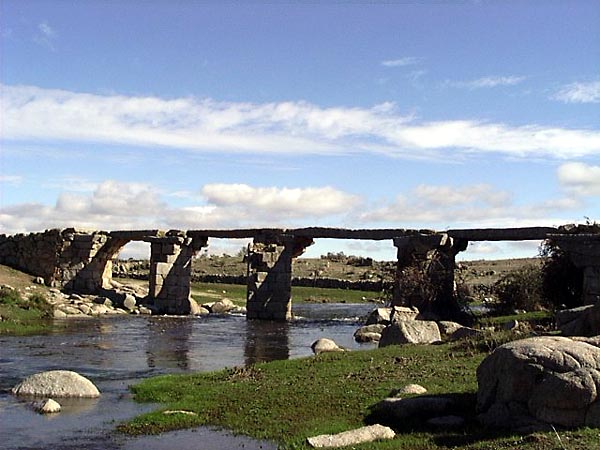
(57, 383)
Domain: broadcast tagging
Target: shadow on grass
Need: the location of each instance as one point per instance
(458, 404)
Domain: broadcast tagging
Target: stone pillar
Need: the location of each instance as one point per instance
(270, 275)
(425, 273)
(584, 252)
(171, 270)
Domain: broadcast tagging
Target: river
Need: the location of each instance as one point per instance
(115, 352)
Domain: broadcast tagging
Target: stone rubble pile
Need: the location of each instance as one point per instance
(73, 305)
(403, 325)
(120, 301)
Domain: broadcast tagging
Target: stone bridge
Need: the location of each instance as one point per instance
(81, 261)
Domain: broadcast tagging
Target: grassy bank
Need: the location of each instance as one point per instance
(20, 316)
(287, 401)
(23, 305)
(210, 292)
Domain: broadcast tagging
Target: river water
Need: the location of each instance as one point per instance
(115, 352)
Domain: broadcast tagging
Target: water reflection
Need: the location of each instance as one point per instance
(168, 343)
(266, 341)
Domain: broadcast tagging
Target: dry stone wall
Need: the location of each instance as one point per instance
(36, 253)
(58, 256)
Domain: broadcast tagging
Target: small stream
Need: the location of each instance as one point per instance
(116, 352)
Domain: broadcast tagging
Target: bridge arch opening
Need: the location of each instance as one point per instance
(352, 264)
(483, 263)
(132, 262)
(221, 263)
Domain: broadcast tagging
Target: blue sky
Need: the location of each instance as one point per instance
(194, 114)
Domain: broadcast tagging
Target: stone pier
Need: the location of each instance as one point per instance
(270, 275)
(425, 273)
(171, 269)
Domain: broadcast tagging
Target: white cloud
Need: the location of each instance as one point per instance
(479, 205)
(450, 196)
(117, 205)
(401, 62)
(581, 92)
(580, 179)
(299, 128)
(113, 205)
(284, 202)
(488, 82)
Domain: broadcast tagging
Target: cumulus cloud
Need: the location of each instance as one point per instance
(299, 128)
(580, 179)
(284, 202)
(580, 92)
(112, 205)
(125, 205)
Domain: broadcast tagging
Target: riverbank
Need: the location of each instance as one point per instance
(23, 305)
(288, 401)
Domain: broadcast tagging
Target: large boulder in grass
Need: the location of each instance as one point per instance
(552, 380)
(410, 332)
(56, 383)
(325, 345)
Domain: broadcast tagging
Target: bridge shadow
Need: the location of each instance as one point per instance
(266, 341)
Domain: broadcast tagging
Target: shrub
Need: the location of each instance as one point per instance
(9, 296)
(36, 301)
(521, 289)
(39, 302)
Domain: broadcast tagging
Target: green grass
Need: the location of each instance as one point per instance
(532, 317)
(309, 294)
(288, 401)
(210, 292)
(21, 316)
